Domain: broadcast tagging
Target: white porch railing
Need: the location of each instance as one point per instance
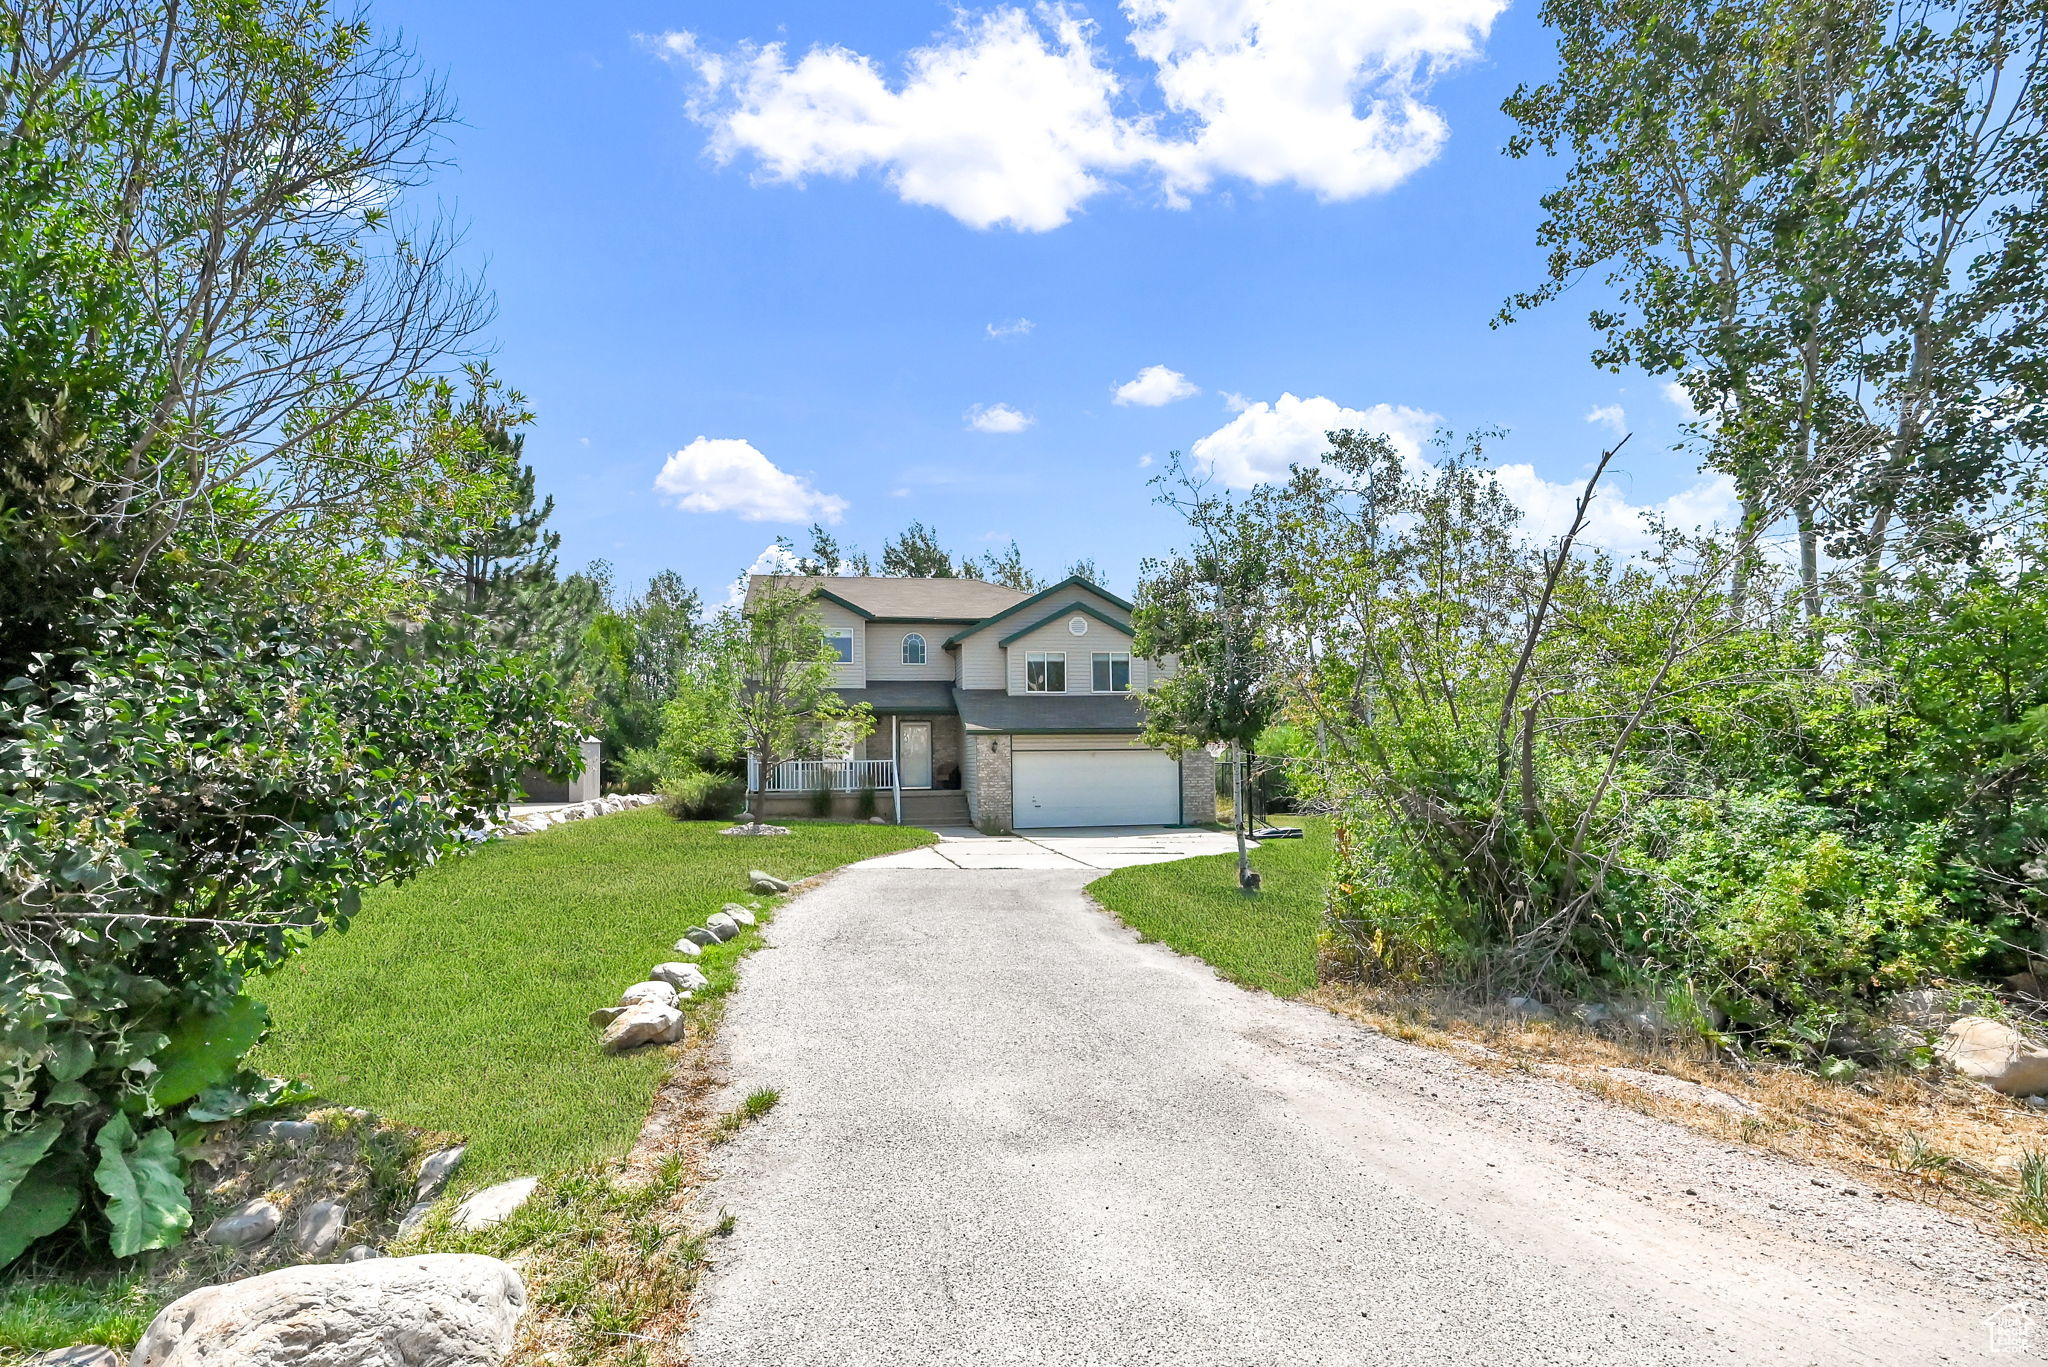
(809, 775)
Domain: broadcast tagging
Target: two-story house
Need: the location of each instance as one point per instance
(994, 707)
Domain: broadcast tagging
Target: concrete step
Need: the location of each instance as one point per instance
(944, 807)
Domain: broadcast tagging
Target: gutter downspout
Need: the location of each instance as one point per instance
(896, 764)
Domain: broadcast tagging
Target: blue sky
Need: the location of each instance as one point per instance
(799, 255)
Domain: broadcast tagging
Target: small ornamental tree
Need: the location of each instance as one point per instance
(1206, 611)
(760, 687)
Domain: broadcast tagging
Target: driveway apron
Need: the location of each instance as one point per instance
(1011, 1133)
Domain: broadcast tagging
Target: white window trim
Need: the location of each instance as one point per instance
(842, 634)
(923, 654)
(1114, 656)
(1045, 657)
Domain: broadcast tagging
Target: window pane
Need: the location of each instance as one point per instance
(1034, 673)
(1056, 674)
(913, 649)
(1120, 674)
(842, 645)
(1102, 684)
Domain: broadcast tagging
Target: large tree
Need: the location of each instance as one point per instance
(1824, 218)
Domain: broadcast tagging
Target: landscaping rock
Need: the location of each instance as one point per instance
(744, 915)
(700, 937)
(658, 993)
(1594, 1014)
(605, 1015)
(361, 1253)
(689, 947)
(752, 828)
(79, 1355)
(320, 1228)
(435, 1172)
(1930, 1008)
(449, 1309)
(721, 925)
(415, 1216)
(249, 1223)
(765, 882)
(645, 1023)
(682, 977)
(1528, 1008)
(284, 1131)
(494, 1205)
(1996, 1055)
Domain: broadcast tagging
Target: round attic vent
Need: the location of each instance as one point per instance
(1078, 625)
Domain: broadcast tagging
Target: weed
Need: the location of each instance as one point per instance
(2030, 1203)
(758, 1103)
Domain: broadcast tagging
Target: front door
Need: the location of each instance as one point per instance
(914, 753)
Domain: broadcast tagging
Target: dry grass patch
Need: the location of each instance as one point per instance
(1929, 1137)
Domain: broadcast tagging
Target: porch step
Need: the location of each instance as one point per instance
(947, 807)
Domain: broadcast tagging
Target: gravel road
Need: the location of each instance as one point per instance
(1010, 1133)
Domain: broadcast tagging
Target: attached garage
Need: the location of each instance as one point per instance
(1094, 787)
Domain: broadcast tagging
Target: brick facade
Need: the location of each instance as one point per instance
(993, 797)
(1197, 787)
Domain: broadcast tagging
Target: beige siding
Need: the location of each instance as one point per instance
(833, 617)
(1080, 651)
(1082, 741)
(885, 650)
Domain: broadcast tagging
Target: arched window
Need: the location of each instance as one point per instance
(913, 649)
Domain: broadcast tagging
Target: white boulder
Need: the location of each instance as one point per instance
(320, 1228)
(765, 882)
(744, 915)
(659, 993)
(493, 1205)
(435, 1172)
(1996, 1055)
(646, 1023)
(249, 1223)
(689, 947)
(721, 925)
(448, 1309)
(682, 977)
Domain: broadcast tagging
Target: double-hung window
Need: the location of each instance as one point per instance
(1112, 671)
(1045, 671)
(841, 641)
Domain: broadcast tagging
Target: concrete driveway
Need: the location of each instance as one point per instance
(1079, 847)
(1010, 1133)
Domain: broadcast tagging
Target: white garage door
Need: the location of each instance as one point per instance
(1096, 788)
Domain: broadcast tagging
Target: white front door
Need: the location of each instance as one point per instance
(1127, 787)
(914, 753)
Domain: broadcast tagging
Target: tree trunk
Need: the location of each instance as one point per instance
(1238, 814)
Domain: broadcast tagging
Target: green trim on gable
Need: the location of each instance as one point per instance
(1071, 581)
(1075, 606)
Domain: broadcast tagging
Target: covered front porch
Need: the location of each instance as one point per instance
(907, 770)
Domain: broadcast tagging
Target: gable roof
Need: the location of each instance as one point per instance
(1070, 582)
(887, 598)
(1076, 606)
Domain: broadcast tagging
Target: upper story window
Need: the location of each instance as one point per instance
(841, 641)
(1045, 671)
(913, 649)
(1112, 671)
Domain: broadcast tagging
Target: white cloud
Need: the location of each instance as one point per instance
(1609, 416)
(1264, 440)
(1016, 327)
(1675, 392)
(997, 417)
(1612, 522)
(1145, 460)
(1234, 402)
(727, 475)
(1155, 385)
(1006, 118)
(773, 559)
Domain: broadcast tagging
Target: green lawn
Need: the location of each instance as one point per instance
(1266, 940)
(457, 1002)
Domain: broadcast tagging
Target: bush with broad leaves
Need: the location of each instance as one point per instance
(183, 802)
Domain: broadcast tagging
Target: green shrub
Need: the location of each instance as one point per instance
(695, 795)
(821, 800)
(864, 802)
(182, 803)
